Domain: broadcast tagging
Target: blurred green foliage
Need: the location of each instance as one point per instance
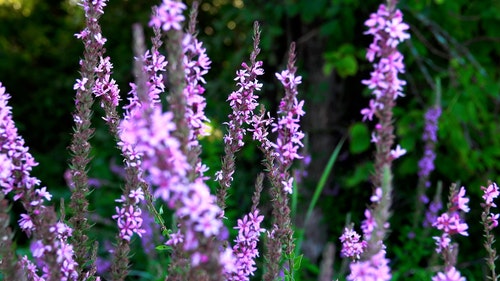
(456, 41)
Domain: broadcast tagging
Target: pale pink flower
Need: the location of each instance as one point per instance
(451, 275)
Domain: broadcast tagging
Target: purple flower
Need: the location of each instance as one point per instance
(136, 195)
(442, 242)
(38, 248)
(398, 152)
(490, 193)
(100, 39)
(97, 6)
(288, 185)
(26, 188)
(80, 84)
(492, 221)
(388, 30)
(370, 111)
(175, 238)
(460, 202)
(377, 195)
(426, 164)
(208, 224)
(452, 274)
(6, 168)
(149, 131)
(431, 124)
(26, 224)
(65, 258)
(43, 193)
(129, 221)
(451, 223)
(396, 29)
(243, 102)
(245, 249)
(287, 125)
(376, 268)
(154, 65)
(431, 214)
(196, 65)
(62, 230)
(352, 247)
(168, 15)
(104, 85)
(30, 269)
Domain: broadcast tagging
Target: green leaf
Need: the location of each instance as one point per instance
(347, 66)
(319, 188)
(163, 248)
(343, 60)
(361, 174)
(359, 136)
(166, 232)
(296, 263)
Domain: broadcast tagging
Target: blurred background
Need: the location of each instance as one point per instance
(455, 42)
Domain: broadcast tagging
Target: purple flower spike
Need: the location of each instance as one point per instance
(490, 221)
(426, 164)
(452, 274)
(290, 110)
(451, 223)
(168, 16)
(388, 30)
(245, 249)
(196, 65)
(376, 268)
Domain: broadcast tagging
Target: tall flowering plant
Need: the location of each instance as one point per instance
(451, 223)
(426, 165)
(158, 137)
(388, 30)
(51, 248)
(490, 222)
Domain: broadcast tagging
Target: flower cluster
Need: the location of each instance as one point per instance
(148, 132)
(17, 161)
(450, 275)
(106, 86)
(490, 221)
(388, 30)
(431, 124)
(290, 110)
(432, 213)
(154, 144)
(451, 223)
(376, 268)
(64, 252)
(352, 247)
(243, 102)
(15, 177)
(196, 64)
(426, 164)
(168, 15)
(155, 66)
(129, 215)
(490, 194)
(287, 125)
(245, 249)
(93, 10)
